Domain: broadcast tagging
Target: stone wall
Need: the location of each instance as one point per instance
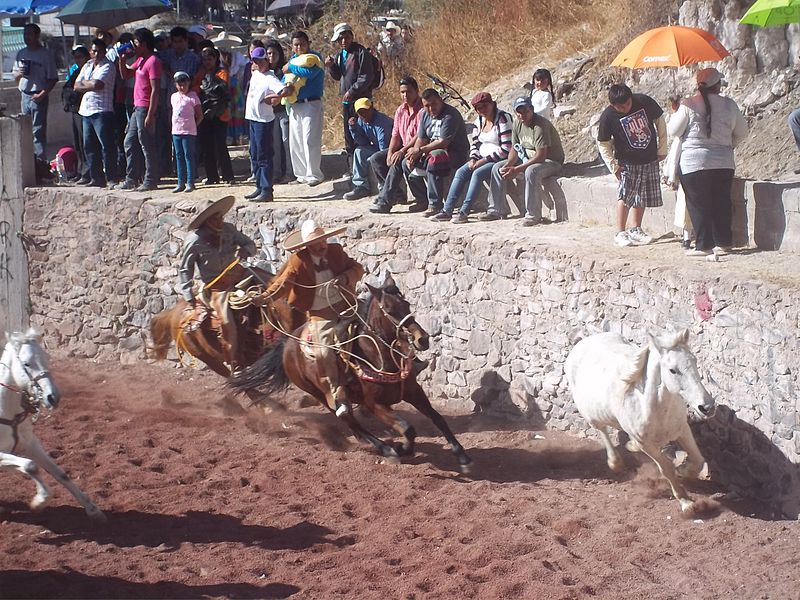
(504, 306)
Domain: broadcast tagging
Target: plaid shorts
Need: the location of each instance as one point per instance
(640, 185)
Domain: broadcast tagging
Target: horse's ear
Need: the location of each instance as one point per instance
(388, 281)
(682, 337)
(654, 342)
(376, 292)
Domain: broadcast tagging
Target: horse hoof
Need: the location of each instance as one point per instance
(37, 504)
(466, 469)
(97, 515)
(389, 460)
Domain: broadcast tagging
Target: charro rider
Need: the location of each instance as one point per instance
(319, 279)
(212, 246)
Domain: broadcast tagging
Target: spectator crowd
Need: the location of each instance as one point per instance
(124, 95)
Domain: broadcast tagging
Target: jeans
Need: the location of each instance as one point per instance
(708, 200)
(534, 175)
(261, 153)
(470, 179)
(38, 113)
(185, 147)
(390, 179)
(77, 142)
(141, 149)
(282, 165)
(794, 125)
(427, 190)
(361, 158)
(99, 129)
(212, 138)
(349, 142)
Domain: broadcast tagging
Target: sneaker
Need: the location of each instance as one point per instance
(531, 221)
(440, 216)
(250, 179)
(638, 236)
(252, 195)
(431, 211)
(147, 187)
(416, 208)
(314, 182)
(686, 244)
(357, 193)
(294, 182)
(491, 216)
(189, 188)
(721, 250)
(178, 188)
(265, 196)
(622, 239)
(699, 253)
(459, 218)
(208, 181)
(126, 186)
(380, 209)
(82, 181)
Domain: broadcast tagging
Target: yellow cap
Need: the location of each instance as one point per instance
(362, 103)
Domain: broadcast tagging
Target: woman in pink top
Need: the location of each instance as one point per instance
(186, 114)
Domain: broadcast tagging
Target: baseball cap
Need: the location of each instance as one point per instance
(160, 34)
(339, 30)
(521, 101)
(709, 77)
(181, 76)
(80, 49)
(199, 30)
(258, 53)
(481, 97)
(362, 103)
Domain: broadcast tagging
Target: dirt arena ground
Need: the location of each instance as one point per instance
(207, 499)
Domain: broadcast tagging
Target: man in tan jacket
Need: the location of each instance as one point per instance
(319, 279)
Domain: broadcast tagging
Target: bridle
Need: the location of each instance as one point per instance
(30, 399)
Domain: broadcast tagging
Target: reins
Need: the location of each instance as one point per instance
(30, 408)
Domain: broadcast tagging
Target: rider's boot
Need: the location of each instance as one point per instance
(341, 406)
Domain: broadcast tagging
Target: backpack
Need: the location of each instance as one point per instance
(379, 74)
(70, 99)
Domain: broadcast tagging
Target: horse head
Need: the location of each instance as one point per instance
(679, 372)
(28, 364)
(397, 311)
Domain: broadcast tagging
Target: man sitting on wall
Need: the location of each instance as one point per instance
(371, 133)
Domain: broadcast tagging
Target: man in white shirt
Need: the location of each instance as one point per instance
(263, 91)
(35, 73)
(96, 80)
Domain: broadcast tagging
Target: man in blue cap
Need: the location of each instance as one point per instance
(536, 153)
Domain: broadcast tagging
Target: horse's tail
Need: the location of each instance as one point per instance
(161, 334)
(266, 374)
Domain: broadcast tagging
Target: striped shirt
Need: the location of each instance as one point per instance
(503, 125)
(100, 100)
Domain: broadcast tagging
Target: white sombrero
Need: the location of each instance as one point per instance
(225, 40)
(309, 233)
(211, 207)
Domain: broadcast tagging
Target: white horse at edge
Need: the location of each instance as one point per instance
(645, 393)
(25, 388)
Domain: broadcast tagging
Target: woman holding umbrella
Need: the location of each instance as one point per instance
(711, 126)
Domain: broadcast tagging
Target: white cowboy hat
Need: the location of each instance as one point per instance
(308, 233)
(199, 30)
(211, 207)
(225, 40)
(391, 25)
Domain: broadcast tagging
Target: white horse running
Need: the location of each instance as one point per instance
(644, 392)
(25, 388)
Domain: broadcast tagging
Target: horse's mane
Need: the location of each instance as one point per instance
(633, 373)
(20, 337)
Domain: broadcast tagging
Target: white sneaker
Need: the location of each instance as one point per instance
(721, 250)
(250, 179)
(622, 239)
(699, 253)
(638, 236)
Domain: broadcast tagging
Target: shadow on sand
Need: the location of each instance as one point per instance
(67, 583)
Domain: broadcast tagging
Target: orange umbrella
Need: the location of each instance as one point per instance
(671, 46)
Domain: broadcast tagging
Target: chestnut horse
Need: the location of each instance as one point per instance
(255, 331)
(380, 372)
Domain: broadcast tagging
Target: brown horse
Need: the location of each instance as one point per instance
(380, 372)
(255, 329)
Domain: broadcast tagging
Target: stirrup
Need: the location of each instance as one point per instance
(342, 409)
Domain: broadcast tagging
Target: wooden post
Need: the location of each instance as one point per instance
(16, 172)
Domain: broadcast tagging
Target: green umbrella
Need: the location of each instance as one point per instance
(768, 13)
(107, 14)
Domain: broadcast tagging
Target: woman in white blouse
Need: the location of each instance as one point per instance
(710, 127)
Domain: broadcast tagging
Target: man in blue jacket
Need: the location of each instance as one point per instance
(353, 68)
(371, 134)
(305, 118)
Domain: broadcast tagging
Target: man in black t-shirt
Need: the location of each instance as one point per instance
(632, 139)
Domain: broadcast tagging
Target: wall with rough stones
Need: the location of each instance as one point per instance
(503, 308)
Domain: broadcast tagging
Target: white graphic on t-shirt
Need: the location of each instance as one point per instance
(636, 126)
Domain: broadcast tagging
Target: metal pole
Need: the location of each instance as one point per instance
(64, 45)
